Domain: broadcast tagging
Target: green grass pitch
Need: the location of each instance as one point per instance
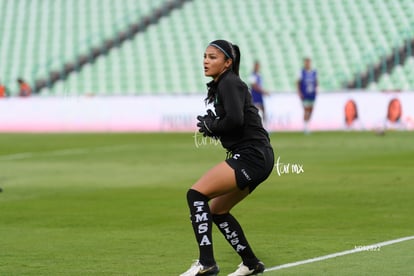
(114, 204)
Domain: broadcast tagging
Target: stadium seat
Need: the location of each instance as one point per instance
(342, 37)
(41, 35)
(401, 78)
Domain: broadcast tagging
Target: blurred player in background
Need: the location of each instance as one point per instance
(256, 85)
(24, 88)
(249, 162)
(307, 85)
(3, 90)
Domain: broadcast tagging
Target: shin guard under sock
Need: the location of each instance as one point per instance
(202, 223)
(233, 233)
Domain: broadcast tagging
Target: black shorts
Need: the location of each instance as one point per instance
(252, 165)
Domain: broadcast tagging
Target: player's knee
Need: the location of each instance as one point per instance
(218, 210)
(218, 218)
(194, 195)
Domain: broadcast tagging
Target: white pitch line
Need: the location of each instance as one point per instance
(334, 255)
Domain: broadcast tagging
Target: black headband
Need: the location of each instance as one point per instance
(224, 46)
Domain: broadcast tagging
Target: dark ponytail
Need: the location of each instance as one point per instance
(236, 59)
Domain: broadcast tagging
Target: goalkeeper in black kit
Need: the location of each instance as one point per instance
(250, 160)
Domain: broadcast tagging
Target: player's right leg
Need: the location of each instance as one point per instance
(198, 269)
(216, 182)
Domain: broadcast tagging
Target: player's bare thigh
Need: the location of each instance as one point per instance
(218, 181)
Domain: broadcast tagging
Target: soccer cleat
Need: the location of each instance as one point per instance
(198, 269)
(245, 270)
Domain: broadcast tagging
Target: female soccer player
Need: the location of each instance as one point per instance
(237, 124)
(307, 89)
(257, 90)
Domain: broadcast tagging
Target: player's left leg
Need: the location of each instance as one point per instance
(308, 109)
(231, 229)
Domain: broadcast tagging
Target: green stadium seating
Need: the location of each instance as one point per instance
(342, 38)
(38, 36)
(401, 78)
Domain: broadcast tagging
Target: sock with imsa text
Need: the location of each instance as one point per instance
(233, 233)
(201, 220)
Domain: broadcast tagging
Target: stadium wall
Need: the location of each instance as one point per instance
(178, 113)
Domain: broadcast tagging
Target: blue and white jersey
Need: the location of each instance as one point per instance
(308, 81)
(255, 78)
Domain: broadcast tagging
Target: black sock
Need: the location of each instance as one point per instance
(201, 220)
(233, 233)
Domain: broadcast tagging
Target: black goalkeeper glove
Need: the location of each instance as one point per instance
(205, 123)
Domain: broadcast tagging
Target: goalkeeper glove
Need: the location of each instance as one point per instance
(206, 122)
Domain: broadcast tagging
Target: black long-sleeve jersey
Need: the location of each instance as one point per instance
(238, 123)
